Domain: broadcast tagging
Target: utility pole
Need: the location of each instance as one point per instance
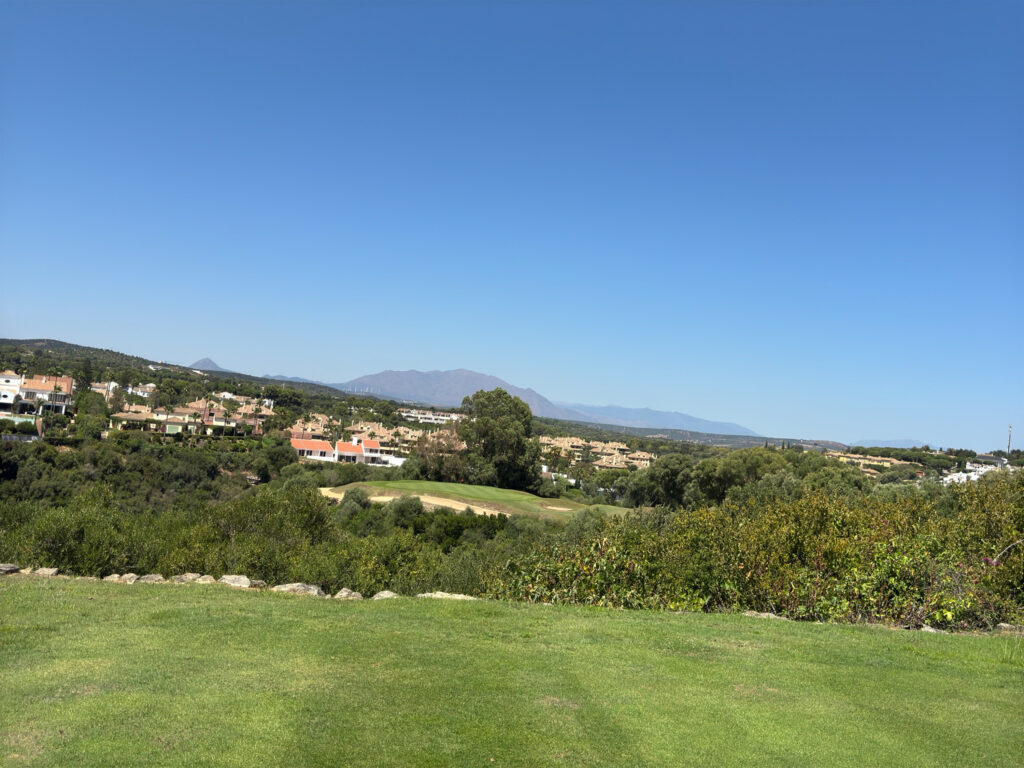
(1009, 437)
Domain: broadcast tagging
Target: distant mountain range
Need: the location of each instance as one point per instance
(645, 417)
(448, 388)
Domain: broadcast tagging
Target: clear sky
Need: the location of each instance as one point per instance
(802, 217)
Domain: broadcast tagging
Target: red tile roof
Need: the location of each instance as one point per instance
(48, 383)
(311, 445)
(373, 445)
(348, 448)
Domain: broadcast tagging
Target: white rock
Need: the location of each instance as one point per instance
(206, 579)
(384, 595)
(45, 572)
(25, 571)
(347, 594)
(6, 568)
(446, 596)
(1004, 627)
(299, 589)
(129, 578)
(926, 628)
(151, 578)
(234, 580)
(112, 577)
(760, 615)
(185, 578)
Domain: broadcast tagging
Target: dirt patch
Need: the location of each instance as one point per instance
(426, 498)
(554, 701)
(24, 745)
(751, 690)
(558, 509)
(742, 645)
(439, 501)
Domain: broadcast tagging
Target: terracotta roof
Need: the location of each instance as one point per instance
(123, 416)
(349, 448)
(373, 445)
(311, 445)
(48, 383)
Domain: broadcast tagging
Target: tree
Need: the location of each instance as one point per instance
(498, 435)
(85, 373)
(117, 401)
(89, 403)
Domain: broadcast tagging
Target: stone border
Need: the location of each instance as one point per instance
(240, 581)
(236, 581)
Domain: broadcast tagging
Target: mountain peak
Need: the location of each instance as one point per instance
(206, 364)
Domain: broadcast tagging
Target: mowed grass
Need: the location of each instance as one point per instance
(98, 674)
(494, 499)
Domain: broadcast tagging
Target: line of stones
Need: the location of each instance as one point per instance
(232, 580)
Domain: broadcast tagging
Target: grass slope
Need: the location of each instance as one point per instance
(492, 499)
(97, 674)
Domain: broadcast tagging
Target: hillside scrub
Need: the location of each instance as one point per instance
(909, 560)
(822, 556)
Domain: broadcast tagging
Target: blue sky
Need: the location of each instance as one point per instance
(802, 217)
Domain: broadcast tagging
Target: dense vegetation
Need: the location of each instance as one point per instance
(770, 529)
(742, 533)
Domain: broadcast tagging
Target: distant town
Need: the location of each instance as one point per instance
(318, 437)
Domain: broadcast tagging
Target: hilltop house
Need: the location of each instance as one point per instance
(317, 450)
(46, 393)
(428, 417)
(358, 451)
(142, 390)
(315, 427)
(363, 450)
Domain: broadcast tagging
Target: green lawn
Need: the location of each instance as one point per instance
(98, 674)
(497, 499)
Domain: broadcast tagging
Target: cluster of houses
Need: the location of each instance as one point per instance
(975, 469)
(371, 442)
(319, 426)
(205, 416)
(611, 455)
(35, 394)
(869, 464)
(984, 464)
(358, 451)
(429, 417)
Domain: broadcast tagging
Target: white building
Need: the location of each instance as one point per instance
(971, 473)
(428, 417)
(46, 393)
(142, 390)
(10, 386)
(318, 450)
